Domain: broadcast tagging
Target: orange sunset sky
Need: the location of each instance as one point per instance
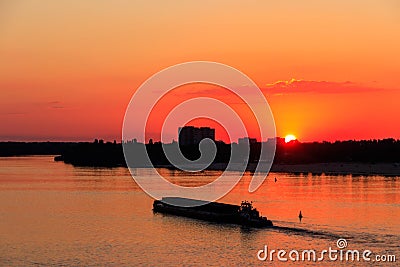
(329, 69)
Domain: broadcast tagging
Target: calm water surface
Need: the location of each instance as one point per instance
(54, 214)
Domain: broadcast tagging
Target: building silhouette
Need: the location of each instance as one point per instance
(190, 135)
(247, 140)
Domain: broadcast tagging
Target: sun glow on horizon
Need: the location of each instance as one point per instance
(290, 137)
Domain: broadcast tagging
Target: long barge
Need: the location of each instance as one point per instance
(244, 214)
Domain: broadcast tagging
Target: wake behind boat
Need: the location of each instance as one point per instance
(245, 214)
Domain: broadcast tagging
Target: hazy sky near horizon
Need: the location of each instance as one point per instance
(329, 69)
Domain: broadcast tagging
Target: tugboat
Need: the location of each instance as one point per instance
(244, 214)
(251, 217)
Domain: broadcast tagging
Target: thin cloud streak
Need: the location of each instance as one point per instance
(316, 87)
(295, 86)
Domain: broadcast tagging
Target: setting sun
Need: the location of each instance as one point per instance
(289, 137)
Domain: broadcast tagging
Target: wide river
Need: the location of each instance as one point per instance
(54, 214)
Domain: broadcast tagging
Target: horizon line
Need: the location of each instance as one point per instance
(119, 141)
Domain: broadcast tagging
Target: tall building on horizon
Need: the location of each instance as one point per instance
(246, 140)
(190, 135)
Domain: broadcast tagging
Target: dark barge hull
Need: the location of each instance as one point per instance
(212, 211)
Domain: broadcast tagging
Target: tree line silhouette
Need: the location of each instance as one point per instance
(110, 154)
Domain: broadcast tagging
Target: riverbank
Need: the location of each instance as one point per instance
(335, 168)
(385, 169)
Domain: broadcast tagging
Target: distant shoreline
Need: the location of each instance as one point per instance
(330, 168)
(383, 169)
(336, 168)
(365, 157)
